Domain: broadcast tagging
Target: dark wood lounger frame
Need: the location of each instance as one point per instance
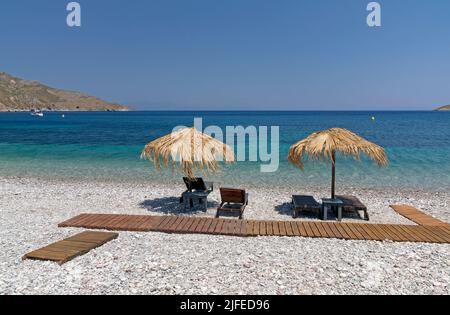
(352, 203)
(196, 185)
(233, 200)
(304, 203)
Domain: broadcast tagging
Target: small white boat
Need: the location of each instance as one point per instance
(37, 113)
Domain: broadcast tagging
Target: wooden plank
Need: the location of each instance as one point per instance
(313, 228)
(445, 227)
(374, 230)
(243, 230)
(390, 235)
(249, 228)
(92, 223)
(366, 232)
(161, 222)
(427, 236)
(434, 232)
(123, 224)
(397, 233)
(342, 231)
(166, 226)
(193, 226)
(179, 224)
(256, 228)
(199, 227)
(229, 225)
(176, 224)
(301, 228)
(111, 225)
(295, 229)
(439, 232)
(320, 228)
(150, 224)
(238, 227)
(327, 228)
(262, 228)
(413, 237)
(308, 229)
(218, 229)
(416, 215)
(187, 224)
(282, 228)
(269, 228)
(400, 233)
(134, 222)
(146, 225)
(99, 221)
(335, 231)
(288, 228)
(348, 229)
(72, 221)
(206, 225)
(212, 227)
(413, 229)
(276, 228)
(85, 220)
(355, 231)
(66, 250)
(184, 224)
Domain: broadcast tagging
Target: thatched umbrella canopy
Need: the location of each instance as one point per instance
(324, 145)
(188, 150)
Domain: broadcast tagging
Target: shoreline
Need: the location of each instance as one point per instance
(158, 263)
(225, 182)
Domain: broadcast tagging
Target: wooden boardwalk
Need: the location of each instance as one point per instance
(66, 250)
(417, 216)
(251, 228)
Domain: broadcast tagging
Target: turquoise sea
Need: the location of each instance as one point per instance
(107, 146)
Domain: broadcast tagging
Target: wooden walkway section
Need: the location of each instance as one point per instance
(251, 228)
(66, 250)
(417, 216)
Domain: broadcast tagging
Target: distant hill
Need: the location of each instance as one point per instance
(443, 108)
(22, 95)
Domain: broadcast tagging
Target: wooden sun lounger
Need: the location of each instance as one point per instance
(198, 185)
(304, 203)
(352, 203)
(196, 190)
(233, 200)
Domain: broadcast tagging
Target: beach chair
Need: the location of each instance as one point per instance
(198, 185)
(196, 189)
(304, 203)
(233, 201)
(352, 203)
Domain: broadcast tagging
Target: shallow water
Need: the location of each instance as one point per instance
(106, 146)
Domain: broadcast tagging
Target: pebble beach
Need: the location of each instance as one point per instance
(157, 263)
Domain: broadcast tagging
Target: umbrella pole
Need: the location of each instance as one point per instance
(333, 174)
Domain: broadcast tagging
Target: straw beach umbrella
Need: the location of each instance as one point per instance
(188, 150)
(324, 145)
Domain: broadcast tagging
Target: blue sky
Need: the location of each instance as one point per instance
(235, 54)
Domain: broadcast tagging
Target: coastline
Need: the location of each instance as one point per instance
(139, 263)
(83, 110)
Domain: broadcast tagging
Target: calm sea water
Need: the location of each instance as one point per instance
(106, 146)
